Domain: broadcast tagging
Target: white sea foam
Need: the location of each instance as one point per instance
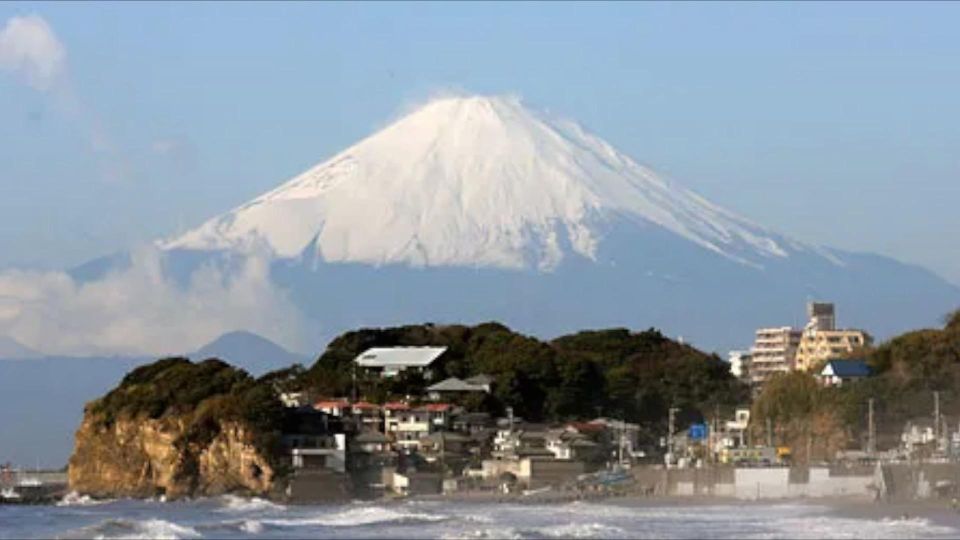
(448, 519)
(252, 526)
(134, 530)
(506, 533)
(354, 517)
(583, 530)
(239, 505)
(75, 499)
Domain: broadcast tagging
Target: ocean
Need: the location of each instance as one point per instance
(234, 517)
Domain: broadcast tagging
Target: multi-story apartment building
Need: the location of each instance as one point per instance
(774, 351)
(818, 346)
(822, 341)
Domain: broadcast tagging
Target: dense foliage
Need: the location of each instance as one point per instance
(636, 376)
(908, 369)
(206, 395)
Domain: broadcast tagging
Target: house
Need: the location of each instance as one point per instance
(439, 414)
(838, 372)
(521, 440)
(408, 426)
(333, 407)
(624, 436)
(390, 361)
(314, 439)
(368, 414)
(566, 444)
(393, 414)
(472, 422)
(456, 387)
(918, 434)
(444, 444)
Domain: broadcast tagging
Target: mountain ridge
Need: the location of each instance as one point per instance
(475, 181)
(473, 209)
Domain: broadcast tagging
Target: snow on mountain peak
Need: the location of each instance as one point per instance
(473, 181)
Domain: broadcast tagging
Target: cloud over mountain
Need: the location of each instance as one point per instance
(139, 309)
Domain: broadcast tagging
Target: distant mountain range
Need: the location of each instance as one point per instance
(43, 397)
(13, 349)
(256, 354)
(481, 208)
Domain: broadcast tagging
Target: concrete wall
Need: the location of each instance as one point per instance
(319, 485)
(753, 483)
(552, 472)
(902, 481)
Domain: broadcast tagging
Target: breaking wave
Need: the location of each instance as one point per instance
(134, 530)
(75, 499)
(239, 505)
(356, 517)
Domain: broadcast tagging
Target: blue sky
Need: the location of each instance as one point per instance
(835, 123)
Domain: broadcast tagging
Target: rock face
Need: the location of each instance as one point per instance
(145, 458)
(179, 429)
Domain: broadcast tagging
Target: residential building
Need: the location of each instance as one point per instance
(740, 364)
(333, 407)
(822, 340)
(393, 415)
(520, 440)
(567, 444)
(734, 432)
(453, 387)
(817, 346)
(368, 415)
(625, 437)
(821, 316)
(390, 361)
(839, 372)
(774, 351)
(314, 440)
(408, 425)
(472, 422)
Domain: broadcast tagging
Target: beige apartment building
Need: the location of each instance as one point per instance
(774, 351)
(818, 346)
(822, 341)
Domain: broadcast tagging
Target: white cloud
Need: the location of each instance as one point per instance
(140, 311)
(29, 48)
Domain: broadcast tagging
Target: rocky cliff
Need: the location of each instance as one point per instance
(179, 429)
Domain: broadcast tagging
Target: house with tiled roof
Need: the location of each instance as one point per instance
(840, 372)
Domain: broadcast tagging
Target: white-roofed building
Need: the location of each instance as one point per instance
(390, 361)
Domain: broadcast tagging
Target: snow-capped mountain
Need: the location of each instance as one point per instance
(477, 182)
(480, 208)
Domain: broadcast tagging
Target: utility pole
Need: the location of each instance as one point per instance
(936, 416)
(715, 433)
(671, 426)
(871, 429)
(620, 444)
(769, 432)
(354, 379)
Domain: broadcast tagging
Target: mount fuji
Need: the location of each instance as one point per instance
(479, 208)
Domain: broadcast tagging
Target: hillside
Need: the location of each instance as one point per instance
(908, 369)
(636, 376)
(179, 429)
